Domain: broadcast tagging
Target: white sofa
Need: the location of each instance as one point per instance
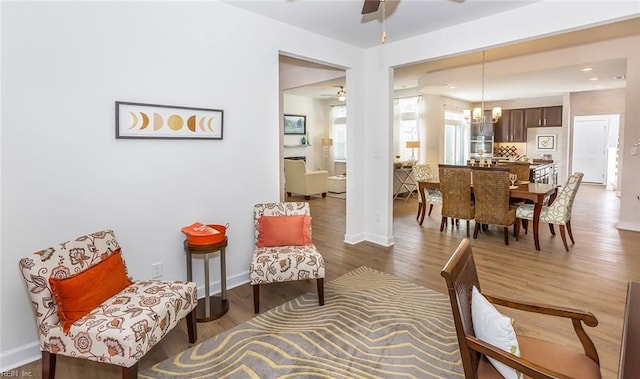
(298, 180)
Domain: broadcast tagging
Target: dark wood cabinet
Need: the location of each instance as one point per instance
(543, 117)
(510, 127)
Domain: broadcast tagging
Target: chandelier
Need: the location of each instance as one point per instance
(342, 95)
(478, 115)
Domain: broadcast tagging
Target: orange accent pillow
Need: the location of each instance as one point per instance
(284, 231)
(81, 293)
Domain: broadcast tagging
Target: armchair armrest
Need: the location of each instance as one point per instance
(524, 366)
(577, 317)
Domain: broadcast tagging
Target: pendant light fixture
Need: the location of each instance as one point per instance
(478, 116)
(342, 95)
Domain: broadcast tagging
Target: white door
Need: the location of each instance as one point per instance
(590, 148)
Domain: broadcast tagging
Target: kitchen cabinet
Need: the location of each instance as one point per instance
(543, 117)
(510, 127)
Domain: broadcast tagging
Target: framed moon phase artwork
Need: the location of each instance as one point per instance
(546, 142)
(137, 120)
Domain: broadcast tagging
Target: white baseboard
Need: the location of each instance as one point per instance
(628, 226)
(17, 357)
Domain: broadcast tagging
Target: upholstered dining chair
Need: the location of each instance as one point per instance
(455, 185)
(422, 172)
(521, 169)
(86, 306)
(488, 351)
(284, 250)
(559, 212)
(491, 193)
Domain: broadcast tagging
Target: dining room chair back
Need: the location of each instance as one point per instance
(558, 212)
(455, 185)
(491, 194)
(284, 250)
(537, 358)
(422, 172)
(521, 169)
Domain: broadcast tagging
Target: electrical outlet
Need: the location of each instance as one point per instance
(156, 270)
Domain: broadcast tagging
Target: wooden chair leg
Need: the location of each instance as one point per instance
(564, 238)
(468, 231)
(516, 230)
(443, 223)
(506, 235)
(475, 230)
(424, 210)
(130, 372)
(48, 365)
(320, 283)
(570, 232)
(192, 329)
(430, 209)
(324, 194)
(552, 230)
(256, 299)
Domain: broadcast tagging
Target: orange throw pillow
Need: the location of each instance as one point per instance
(81, 293)
(284, 231)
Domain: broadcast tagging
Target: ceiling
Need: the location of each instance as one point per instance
(341, 20)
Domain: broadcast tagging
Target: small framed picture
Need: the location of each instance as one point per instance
(295, 124)
(546, 142)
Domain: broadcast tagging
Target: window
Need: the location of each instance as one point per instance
(339, 132)
(456, 138)
(407, 116)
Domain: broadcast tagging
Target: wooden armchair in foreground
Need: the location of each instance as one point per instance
(478, 322)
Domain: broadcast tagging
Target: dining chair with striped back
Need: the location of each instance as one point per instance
(422, 172)
(491, 193)
(559, 212)
(455, 185)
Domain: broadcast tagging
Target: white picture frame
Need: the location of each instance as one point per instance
(546, 142)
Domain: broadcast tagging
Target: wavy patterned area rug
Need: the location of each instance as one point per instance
(373, 325)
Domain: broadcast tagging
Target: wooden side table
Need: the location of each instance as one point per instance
(212, 306)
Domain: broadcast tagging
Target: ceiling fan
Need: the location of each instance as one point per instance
(341, 95)
(371, 6)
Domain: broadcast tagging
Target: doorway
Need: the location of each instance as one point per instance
(595, 148)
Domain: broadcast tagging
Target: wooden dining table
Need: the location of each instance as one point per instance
(535, 192)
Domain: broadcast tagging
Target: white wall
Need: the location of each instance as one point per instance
(316, 112)
(64, 64)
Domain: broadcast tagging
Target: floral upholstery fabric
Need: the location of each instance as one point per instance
(422, 172)
(284, 263)
(559, 212)
(119, 331)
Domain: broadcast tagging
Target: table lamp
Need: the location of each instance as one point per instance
(413, 145)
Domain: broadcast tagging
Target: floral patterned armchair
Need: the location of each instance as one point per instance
(120, 330)
(281, 261)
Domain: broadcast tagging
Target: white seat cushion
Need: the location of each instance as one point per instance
(125, 327)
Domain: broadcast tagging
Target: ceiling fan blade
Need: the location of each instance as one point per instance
(370, 6)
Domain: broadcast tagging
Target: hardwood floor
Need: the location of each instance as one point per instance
(592, 276)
